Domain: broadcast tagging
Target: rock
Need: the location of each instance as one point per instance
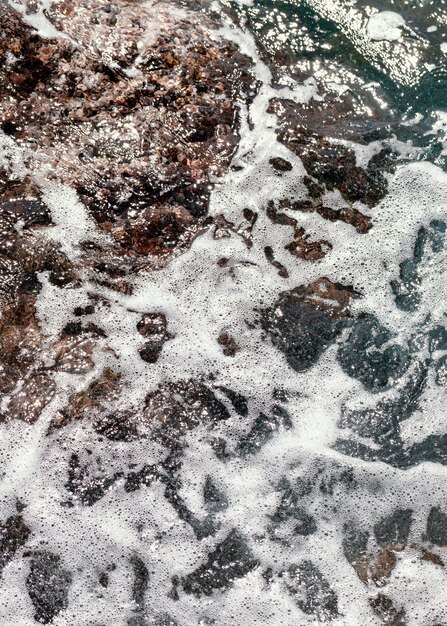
(215, 499)
(368, 355)
(319, 600)
(394, 529)
(280, 165)
(228, 343)
(175, 408)
(407, 289)
(306, 320)
(13, 535)
(231, 559)
(384, 608)
(87, 490)
(150, 119)
(263, 430)
(437, 527)
(48, 585)
(332, 165)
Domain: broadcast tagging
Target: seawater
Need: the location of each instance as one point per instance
(325, 485)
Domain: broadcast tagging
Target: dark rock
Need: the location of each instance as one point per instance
(395, 528)
(384, 608)
(228, 343)
(215, 500)
(292, 511)
(263, 430)
(368, 356)
(141, 582)
(13, 535)
(305, 321)
(87, 490)
(48, 585)
(331, 164)
(239, 402)
(319, 599)
(116, 427)
(429, 241)
(178, 407)
(280, 165)
(230, 560)
(437, 527)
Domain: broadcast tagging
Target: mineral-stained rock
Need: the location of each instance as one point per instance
(92, 402)
(231, 559)
(133, 107)
(154, 328)
(48, 585)
(333, 165)
(307, 319)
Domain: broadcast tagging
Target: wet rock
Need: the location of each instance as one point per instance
(215, 499)
(332, 165)
(141, 582)
(91, 402)
(291, 517)
(394, 529)
(407, 290)
(116, 427)
(136, 124)
(263, 430)
(320, 600)
(165, 620)
(384, 608)
(154, 328)
(86, 489)
(270, 256)
(176, 408)
(437, 527)
(48, 585)
(280, 165)
(368, 356)
(306, 320)
(14, 534)
(202, 527)
(228, 343)
(28, 403)
(230, 560)
(301, 246)
(238, 401)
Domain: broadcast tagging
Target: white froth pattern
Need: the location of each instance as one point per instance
(199, 298)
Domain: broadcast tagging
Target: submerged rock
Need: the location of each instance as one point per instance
(305, 321)
(48, 585)
(231, 559)
(14, 533)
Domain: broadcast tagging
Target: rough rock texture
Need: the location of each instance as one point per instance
(133, 107)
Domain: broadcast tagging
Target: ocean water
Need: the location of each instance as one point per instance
(293, 472)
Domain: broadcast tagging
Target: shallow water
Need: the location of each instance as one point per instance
(253, 432)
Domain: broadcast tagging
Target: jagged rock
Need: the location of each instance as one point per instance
(230, 560)
(137, 124)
